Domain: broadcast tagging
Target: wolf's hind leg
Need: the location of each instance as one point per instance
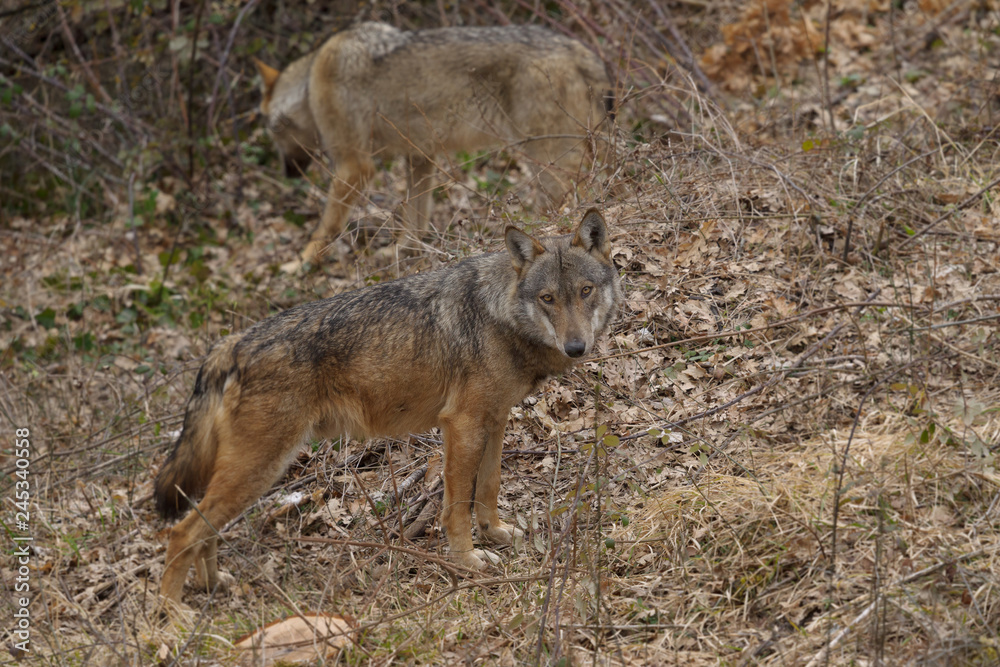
(419, 199)
(556, 163)
(207, 575)
(253, 452)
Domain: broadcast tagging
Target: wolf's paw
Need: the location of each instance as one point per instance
(293, 267)
(175, 611)
(320, 251)
(504, 533)
(223, 582)
(486, 557)
(314, 251)
(476, 559)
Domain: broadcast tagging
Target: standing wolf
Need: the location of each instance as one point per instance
(454, 348)
(374, 91)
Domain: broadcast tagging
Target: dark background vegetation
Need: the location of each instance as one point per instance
(101, 97)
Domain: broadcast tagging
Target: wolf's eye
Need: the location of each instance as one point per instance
(586, 290)
(547, 298)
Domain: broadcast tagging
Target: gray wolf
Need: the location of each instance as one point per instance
(455, 348)
(376, 92)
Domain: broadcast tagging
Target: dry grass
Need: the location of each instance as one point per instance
(781, 456)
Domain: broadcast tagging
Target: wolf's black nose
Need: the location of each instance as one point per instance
(575, 348)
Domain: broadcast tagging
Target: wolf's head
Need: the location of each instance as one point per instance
(285, 105)
(567, 288)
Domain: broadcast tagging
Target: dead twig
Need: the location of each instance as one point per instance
(428, 513)
(822, 655)
(780, 323)
(964, 204)
(397, 494)
(247, 8)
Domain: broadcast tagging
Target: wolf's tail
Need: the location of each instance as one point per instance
(187, 470)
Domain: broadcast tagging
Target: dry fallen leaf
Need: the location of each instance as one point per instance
(296, 640)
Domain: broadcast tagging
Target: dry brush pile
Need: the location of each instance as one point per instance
(784, 453)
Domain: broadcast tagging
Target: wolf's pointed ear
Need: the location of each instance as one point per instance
(523, 249)
(592, 234)
(267, 73)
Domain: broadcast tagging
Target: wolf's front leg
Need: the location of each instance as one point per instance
(488, 488)
(349, 180)
(464, 438)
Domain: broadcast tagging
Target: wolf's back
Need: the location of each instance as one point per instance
(482, 48)
(190, 465)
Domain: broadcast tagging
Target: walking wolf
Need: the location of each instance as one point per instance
(375, 92)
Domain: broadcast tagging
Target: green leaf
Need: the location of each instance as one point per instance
(46, 318)
(7, 93)
(168, 257)
(85, 342)
(126, 316)
(296, 219)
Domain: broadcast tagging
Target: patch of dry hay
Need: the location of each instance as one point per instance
(744, 558)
